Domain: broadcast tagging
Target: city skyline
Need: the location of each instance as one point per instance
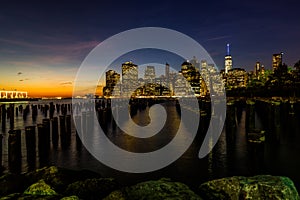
(43, 44)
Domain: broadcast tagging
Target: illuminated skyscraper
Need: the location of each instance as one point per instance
(192, 75)
(149, 74)
(195, 63)
(257, 69)
(112, 86)
(228, 60)
(276, 61)
(167, 72)
(129, 78)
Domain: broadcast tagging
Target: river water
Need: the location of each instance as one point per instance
(228, 157)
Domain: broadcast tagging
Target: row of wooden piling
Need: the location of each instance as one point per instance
(38, 140)
(272, 113)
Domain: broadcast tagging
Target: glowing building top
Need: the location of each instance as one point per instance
(228, 59)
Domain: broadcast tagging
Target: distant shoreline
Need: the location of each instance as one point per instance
(18, 100)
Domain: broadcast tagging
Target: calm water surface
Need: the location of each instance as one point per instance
(228, 158)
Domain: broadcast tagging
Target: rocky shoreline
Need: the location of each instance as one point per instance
(57, 183)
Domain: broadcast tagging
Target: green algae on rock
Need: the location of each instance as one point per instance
(40, 188)
(256, 187)
(70, 198)
(92, 188)
(160, 189)
(59, 178)
(116, 195)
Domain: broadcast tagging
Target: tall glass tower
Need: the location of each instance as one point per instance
(228, 59)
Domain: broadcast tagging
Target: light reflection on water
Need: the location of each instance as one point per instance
(227, 158)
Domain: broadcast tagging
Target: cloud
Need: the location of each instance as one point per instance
(218, 38)
(19, 73)
(66, 83)
(75, 46)
(21, 80)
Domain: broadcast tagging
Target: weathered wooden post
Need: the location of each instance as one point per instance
(54, 131)
(62, 125)
(17, 111)
(3, 117)
(250, 115)
(30, 143)
(46, 123)
(42, 147)
(84, 128)
(276, 120)
(68, 129)
(11, 115)
(1, 138)
(52, 109)
(68, 123)
(14, 150)
(78, 131)
(89, 122)
(230, 121)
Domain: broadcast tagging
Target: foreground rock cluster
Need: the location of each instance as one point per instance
(56, 183)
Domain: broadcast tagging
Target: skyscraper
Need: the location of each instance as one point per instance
(276, 61)
(149, 74)
(192, 75)
(228, 59)
(129, 78)
(112, 87)
(257, 69)
(167, 72)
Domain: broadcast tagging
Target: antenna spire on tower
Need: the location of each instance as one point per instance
(228, 49)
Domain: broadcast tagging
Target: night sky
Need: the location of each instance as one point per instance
(43, 44)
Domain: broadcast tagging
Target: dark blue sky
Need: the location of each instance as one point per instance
(55, 34)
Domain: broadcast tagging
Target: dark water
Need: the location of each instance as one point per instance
(228, 157)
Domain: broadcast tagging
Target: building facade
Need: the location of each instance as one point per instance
(129, 79)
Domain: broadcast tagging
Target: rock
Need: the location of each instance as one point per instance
(257, 187)
(160, 189)
(70, 198)
(59, 178)
(116, 195)
(92, 188)
(40, 188)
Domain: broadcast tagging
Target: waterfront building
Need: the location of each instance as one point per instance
(236, 78)
(129, 79)
(113, 86)
(149, 76)
(192, 75)
(276, 61)
(228, 60)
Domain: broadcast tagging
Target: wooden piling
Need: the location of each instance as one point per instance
(30, 144)
(11, 116)
(54, 122)
(1, 138)
(46, 123)
(250, 115)
(14, 150)
(3, 121)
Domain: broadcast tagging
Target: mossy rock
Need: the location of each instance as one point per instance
(40, 189)
(226, 188)
(116, 195)
(92, 188)
(257, 187)
(59, 178)
(160, 189)
(70, 198)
